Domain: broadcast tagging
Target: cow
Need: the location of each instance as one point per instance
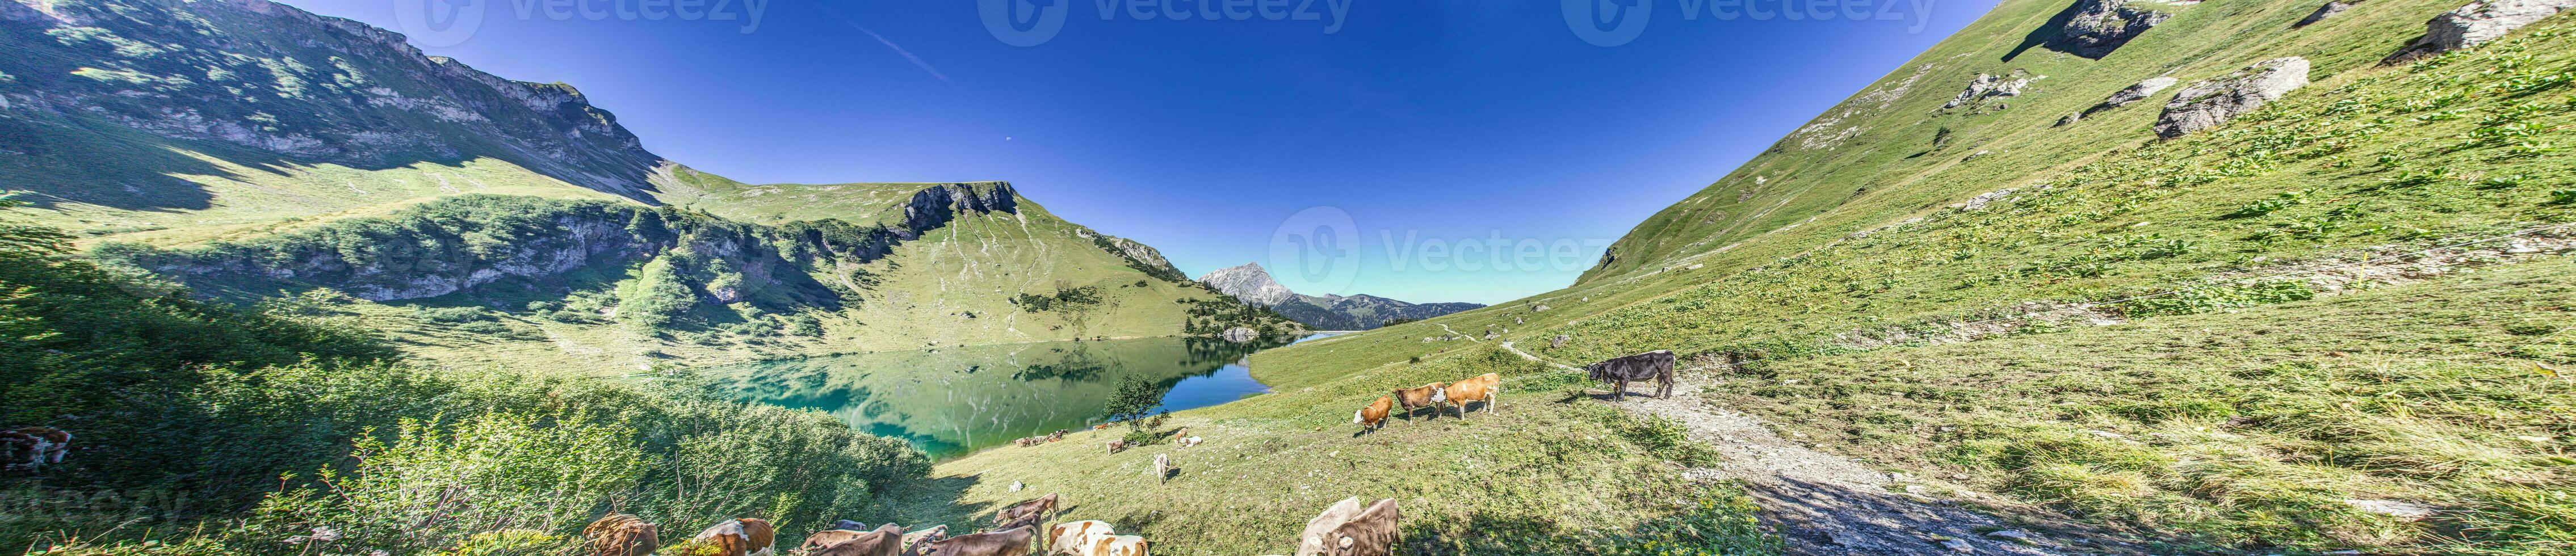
(1100, 427)
(622, 535)
(1073, 537)
(1346, 529)
(1116, 446)
(32, 448)
(1034, 506)
(1373, 417)
(1012, 542)
(1027, 442)
(1188, 442)
(1654, 365)
(1487, 388)
(886, 540)
(1118, 545)
(740, 537)
(1030, 521)
(1427, 395)
(915, 542)
(1163, 468)
(1057, 435)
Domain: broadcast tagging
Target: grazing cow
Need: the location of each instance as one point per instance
(1119, 545)
(917, 541)
(1030, 521)
(886, 540)
(1348, 530)
(1176, 435)
(1013, 542)
(1116, 446)
(1373, 417)
(1163, 468)
(1654, 365)
(1419, 397)
(1487, 388)
(622, 535)
(1057, 435)
(1100, 427)
(1073, 537)
(32, 448)
(1035, 506)
(741, 537)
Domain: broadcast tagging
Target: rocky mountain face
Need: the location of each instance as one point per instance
(1252, 284)
(255, 82)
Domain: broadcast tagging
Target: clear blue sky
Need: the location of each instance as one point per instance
(1448, 119)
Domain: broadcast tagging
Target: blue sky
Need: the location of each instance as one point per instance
(1437, 120)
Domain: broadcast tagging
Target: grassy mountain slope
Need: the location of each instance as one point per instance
(2202, 303)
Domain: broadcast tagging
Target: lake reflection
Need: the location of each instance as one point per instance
(951, 401)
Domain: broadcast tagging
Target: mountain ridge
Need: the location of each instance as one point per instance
(1252, 284)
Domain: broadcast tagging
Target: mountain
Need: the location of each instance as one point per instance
(260, 154)
(2190, 275)
(1253, 285)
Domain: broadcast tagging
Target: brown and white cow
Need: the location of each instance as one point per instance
(1036, 506)
(1011, 542)
(1418, 397)
(1349, 530)
(1373, 417)
(622, 535)
(886, 540)
(1480, 389)
(33, 448)
(1116, 545)
(1070, 537)
(741, 537)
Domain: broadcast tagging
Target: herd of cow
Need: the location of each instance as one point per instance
(1345, 529)
(1653, 365)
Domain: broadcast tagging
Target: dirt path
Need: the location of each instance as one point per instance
(1828, 504)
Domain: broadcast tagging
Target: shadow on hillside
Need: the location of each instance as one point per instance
(2045, 32)
(98, 163)
(930, 502)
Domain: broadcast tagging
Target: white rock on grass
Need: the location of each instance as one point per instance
(2476, 24)
(2211, 102)
(2135, 92)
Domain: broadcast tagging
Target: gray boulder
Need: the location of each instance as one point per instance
(1558, 342)
(2326, 11)
(2133, 93)
(1989, 86)
(2101, 26)
(2476, 24)
(2213, 101)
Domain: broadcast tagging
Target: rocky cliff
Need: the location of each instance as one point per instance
(1250, 283)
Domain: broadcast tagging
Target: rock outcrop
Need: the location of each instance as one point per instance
(2133, 93)
(2211, 102)
(2101, 26)
(2326, 11)
(1989, 87)
(938, 205)
(2475, 24)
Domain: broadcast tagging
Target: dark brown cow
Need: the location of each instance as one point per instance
(1427, 395)
(1654, 365)
(1344, 530)
(33, 448)
(1039, 506)
(622, 535)
(1030, 521)
(1012, 542)
(886, 540)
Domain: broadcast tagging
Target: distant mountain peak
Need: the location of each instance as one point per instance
(1250, 283)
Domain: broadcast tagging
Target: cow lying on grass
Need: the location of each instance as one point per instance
(1373, 417)
(1347, 529)
(1653, 365)
(1419, 397)
(1480, 389)
(1008, 542)
(622, 535)
(740, 537)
